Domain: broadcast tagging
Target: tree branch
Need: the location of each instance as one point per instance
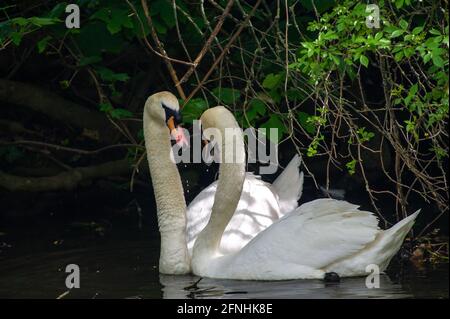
(225, 50)
(66, 180)
(94, 124)
(208, 42)
(163, 52)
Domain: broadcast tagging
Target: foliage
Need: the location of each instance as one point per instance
(333, 87)
(408, 54)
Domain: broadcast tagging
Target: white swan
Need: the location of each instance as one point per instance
(260, 203)
(321, 236)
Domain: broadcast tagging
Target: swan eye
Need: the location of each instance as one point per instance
(172, 113)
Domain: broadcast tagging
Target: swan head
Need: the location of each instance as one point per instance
(163, 107)
(217, 116)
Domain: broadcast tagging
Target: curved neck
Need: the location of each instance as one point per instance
(229, 188)
(169, 196)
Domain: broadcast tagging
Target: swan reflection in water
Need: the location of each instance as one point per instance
(179, 287)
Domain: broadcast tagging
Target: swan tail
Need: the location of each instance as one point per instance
(289, 186)
(392, 238)
(404, 226)
(379, 252)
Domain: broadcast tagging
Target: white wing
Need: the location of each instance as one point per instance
(314, 235)
(257, 209)
(289, 186)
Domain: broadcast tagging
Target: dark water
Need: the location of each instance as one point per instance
(117, 268)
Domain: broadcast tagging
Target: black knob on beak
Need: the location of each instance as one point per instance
(178, 118)
(172, 113)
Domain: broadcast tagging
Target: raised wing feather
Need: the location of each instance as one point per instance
(289, 186)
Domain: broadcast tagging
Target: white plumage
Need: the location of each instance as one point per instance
(243, 228)
(260, 205)
(324, 235)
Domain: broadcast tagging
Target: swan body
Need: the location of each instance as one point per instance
(321, 236)
(260, 205)
(311, 241)
(242, 228)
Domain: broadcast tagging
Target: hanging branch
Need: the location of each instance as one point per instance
(208, 42)
(148, 43)
(163, 52)
(225, 50)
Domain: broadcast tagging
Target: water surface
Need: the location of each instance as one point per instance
(117, 268)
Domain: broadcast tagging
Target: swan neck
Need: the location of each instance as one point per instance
(229, 188)
(169, 195)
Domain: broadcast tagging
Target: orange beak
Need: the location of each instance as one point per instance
(171, 124)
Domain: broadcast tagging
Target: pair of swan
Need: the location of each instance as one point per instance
(240, 227)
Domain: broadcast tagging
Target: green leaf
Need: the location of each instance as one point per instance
(193, 110)
(256, 107)
(364, 135)
(274, 122)
(364, 60)
(110, 76)
(330, 35)
(58, 10)
(417, 30)
(351, 167)
(64, 84)
(413, 90)
(378, 36)
(94, 39)
(439, 151)
(312, 149)
(137, 27)
(105, 107)
(89, 60)
(119, 19)
(119, 113)
(42, 21)
(336, 60)
(403, 24)
(399, 3)
(42, 44)
(437, 60)
(397, 33)
(226, 95)
(20, 21)
(272, 81)
(103, 14)
(435, 32)
(384, 43)
(303, 118)
(399, 56)
(16, 38)
(165, 11)
(408, 52)
(115, 18)
(426, 57)
(160, 28)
